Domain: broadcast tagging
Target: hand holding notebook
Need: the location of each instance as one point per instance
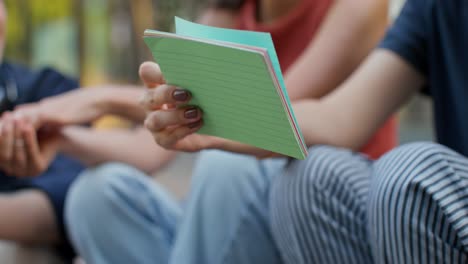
(180, 135)
(234, 77)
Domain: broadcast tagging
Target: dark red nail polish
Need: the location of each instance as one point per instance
(180, 95)
(191, 113)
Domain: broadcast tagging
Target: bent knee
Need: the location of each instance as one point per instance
(410, 161)
(96, 191)
(327, 167)
(412, 168)
(415, 152)
(328, 172)
(331, 181)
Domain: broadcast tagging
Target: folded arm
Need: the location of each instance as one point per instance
(350, 115)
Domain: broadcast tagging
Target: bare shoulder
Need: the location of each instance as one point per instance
(219, 17)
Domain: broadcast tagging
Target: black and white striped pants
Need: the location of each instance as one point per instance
(411, 206)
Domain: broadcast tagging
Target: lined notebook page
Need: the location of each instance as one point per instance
(233, 87)
(250, 38)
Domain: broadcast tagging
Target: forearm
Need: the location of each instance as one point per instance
(121, 101)
(348, 33)
(351, 114)
(134, 147)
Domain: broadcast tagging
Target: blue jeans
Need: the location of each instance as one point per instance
(117, 214)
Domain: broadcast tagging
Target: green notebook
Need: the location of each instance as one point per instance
(235, 77)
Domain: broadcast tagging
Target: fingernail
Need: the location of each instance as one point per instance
(180, 95)
(191, 113)
(195, 124)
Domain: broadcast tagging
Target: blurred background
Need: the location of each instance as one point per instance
(96, 40)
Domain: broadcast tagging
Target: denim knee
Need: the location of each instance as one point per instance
(221, 175)
(226, 217)
(92, 198)
(114, 206)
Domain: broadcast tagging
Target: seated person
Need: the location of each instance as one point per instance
(409, 206)
(226, 217)
(32, 207)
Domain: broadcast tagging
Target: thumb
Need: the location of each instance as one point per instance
(151, 75)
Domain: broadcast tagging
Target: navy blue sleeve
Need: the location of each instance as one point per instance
(409, 34)
(34, 86)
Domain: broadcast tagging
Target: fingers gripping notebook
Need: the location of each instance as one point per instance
(235, 77)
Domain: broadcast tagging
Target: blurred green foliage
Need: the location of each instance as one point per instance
(23, 16)
(98, 40)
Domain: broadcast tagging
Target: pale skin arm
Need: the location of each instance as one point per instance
(350, 115)
(132, 146)
(122, 102)
(90, 146)
(346, 117)
(86, 105)
(351, 29)
(93, 147)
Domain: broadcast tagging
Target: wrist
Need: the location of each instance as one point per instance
(62, 142)
(67, 134)
(103, 102)
(123, 102)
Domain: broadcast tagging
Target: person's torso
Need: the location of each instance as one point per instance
(447, 55)
(30, 87)
(33, 86)
(291, 33)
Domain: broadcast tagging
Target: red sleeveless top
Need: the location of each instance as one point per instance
(291, 35)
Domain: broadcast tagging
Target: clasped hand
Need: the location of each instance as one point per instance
(30, 136)
(22, 154)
